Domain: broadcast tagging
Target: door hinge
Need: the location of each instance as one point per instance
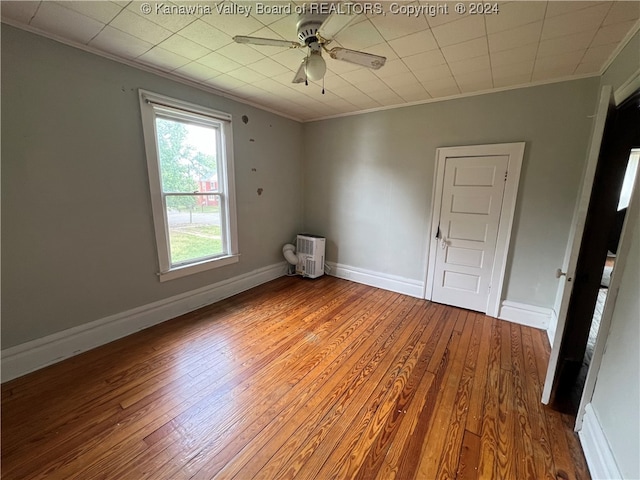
(506, 174)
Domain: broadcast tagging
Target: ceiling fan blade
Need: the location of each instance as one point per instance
(272, 42)
(301, 74)
(360, 58)
(336, 22)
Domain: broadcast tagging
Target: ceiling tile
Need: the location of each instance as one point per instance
(465, 50)
(359, 36)
(386, 97)
(427, 56)
(164, 59)
(557, 65)
(269, 68)
(433, 73)
(285, 27)
(586, 68)
(246, 75)
(397, 25)
(440, 17)
(19, 11)
(424, 60)
(514, 70)
(587, 19)
(469, 85)
(568, 43)
(441, 87)
(140, 27)
(401, 81)
(197, 71)
(514, 55)
(515, 14)
(225, 82)
(555, 8)
(360, 75)
(239, 51)
(472, 65)
(372, 86)
(459, 31)
(233, 24)
(206, 35)
(219, 62)
(613, 33)
(518, 37)
(114, 41)
(103, 12)
(54, 18)
(162, 15)
(185, 47)
(599, 54)
(622, 12)
(415, 43)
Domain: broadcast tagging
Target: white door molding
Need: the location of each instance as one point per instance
(515, 152)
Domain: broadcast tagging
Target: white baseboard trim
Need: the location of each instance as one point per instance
(602, 464)
(551, 329)
(523, 314)
(31, 356)
(385, 281)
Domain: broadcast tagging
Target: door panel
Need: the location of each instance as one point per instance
(472, 193)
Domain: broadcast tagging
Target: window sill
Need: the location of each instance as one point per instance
(178, 272)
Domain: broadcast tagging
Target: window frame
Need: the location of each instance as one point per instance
(152, 106)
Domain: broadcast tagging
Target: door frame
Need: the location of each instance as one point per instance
(515, 152)
(567, 273)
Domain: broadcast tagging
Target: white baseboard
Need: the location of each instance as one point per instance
(523, 314)
(36, 354)
(602, 464)
(385, 281)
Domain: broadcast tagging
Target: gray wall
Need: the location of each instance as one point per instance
(77, 233)
(369, 179)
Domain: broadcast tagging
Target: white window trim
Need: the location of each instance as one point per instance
(226, 177)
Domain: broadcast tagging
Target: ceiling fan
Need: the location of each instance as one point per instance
(315, 32)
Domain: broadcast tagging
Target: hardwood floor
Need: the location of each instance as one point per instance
(308, 379)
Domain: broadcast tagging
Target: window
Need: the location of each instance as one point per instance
(190, 164)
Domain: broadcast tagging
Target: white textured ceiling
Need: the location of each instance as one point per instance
(428, 56)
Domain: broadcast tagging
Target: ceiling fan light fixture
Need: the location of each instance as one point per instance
(315, 66)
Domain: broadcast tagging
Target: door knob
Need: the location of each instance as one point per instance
(560, 273)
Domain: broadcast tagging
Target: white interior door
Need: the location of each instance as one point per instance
(567, 272)
(469, 218)
(474, 202)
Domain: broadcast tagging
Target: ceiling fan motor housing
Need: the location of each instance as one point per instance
(307, 28)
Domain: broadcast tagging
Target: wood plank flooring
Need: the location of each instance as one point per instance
(308, 379)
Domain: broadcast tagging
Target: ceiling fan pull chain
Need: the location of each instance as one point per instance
(323, 85)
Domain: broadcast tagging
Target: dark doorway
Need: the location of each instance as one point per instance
(601, 233)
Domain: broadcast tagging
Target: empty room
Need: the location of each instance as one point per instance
(340, 240)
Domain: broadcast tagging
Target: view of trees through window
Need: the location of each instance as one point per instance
(188, 169)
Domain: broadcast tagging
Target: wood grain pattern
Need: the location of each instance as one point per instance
(297, 379)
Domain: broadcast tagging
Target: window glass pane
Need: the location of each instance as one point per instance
(187, 155)
(195, 227)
